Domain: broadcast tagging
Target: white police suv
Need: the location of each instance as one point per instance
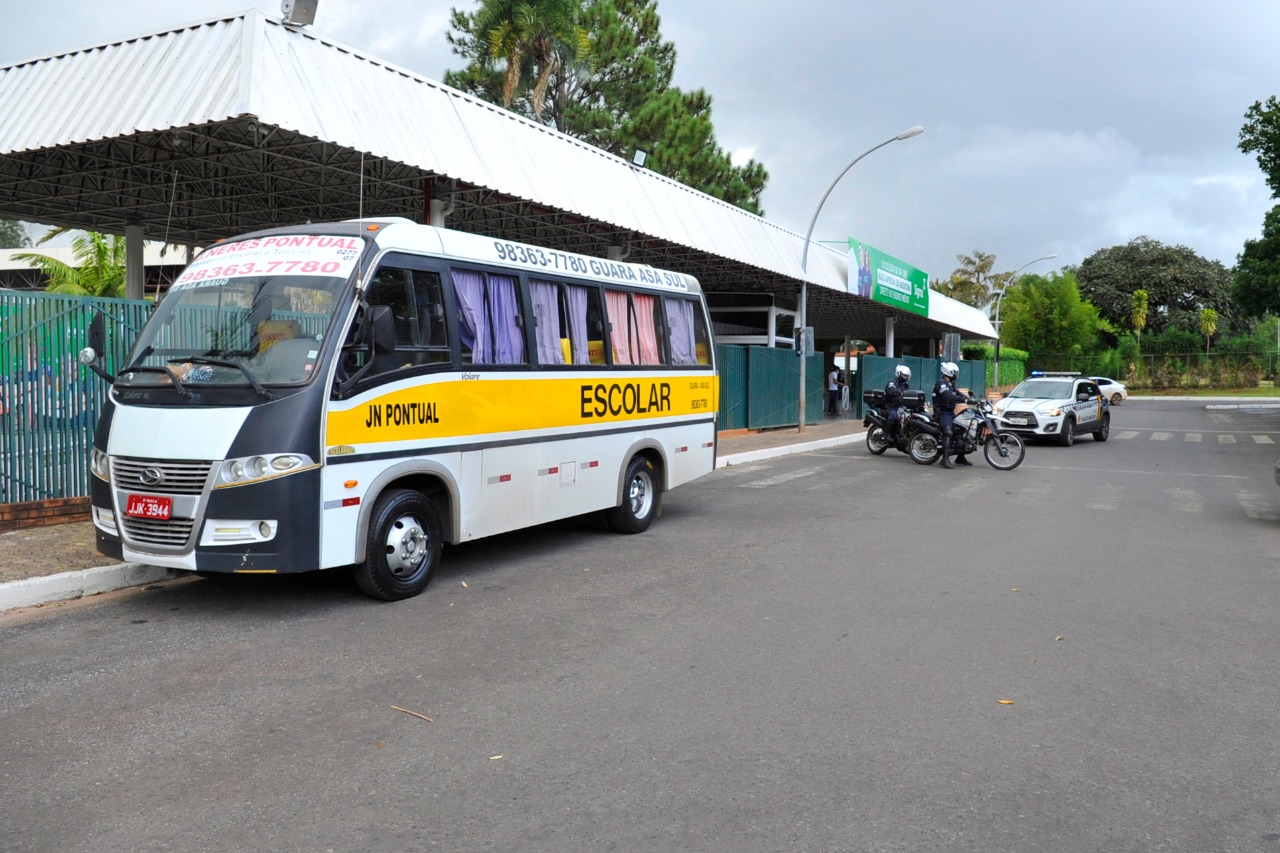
(1056, 406)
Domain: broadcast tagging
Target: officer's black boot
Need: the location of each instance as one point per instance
(946, 453)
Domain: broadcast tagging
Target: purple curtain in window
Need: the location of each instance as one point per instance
(577, 298)
(504, 315)
(543, 295)
(684, 347)
(618, 307)
(646, 334)
(473, 323)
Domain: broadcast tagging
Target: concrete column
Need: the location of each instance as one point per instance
(437, 213)
(888, 337)
(135, 276)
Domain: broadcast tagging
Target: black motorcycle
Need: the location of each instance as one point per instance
(977, 426)
(876, 419)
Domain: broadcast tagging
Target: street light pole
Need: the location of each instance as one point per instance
(995, 377)
(804, 256)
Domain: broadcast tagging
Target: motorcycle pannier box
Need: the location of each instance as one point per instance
(913, 400)
(875, 397)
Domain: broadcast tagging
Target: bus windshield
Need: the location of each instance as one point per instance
(259, 319)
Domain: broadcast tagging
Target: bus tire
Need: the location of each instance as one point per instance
(641, 499)
(403, 547)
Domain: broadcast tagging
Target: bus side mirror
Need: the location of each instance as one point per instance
(96, 341)
(384, 330)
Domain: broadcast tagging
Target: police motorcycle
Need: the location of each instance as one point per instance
(876, 419)
(977, 426)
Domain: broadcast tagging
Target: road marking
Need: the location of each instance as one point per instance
(784, 477)
(1105, 498)
(1129, 433)
(964, 490)
(1191, 436)
(1226, 439)
(1257, 507)
(1184, 500)
(1144, 472)
(1262, 439)
(1159, 436)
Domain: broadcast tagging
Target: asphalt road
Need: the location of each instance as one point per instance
(807, 653)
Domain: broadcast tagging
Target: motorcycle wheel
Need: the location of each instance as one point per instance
(877, 441)
(1004, 452)
(924, 448)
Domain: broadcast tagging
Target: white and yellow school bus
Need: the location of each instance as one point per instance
(358, 393)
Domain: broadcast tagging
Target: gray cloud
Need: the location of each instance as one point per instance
(1049, 127)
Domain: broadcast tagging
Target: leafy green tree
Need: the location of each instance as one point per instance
(100, 270)
(1255, 290)
(1178, 282)
(13, 235)
(1046, 315)
(1260, 135)
(1208, 325)
(617, 97)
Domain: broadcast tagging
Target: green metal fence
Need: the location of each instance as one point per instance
(49, 402)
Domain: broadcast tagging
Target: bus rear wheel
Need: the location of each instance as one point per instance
(403, 547)
(641, 499)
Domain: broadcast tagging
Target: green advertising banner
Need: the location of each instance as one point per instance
(883, 278)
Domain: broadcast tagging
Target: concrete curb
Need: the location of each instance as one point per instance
(786, 450)
(68, 585)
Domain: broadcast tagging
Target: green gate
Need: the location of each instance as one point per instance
(731, 364)
(49, 402)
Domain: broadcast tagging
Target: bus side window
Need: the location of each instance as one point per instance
(634, 327)
(490, 318)
(682, 334)
(393, 287)
(435, 331)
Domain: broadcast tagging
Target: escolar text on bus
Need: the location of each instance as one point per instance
(625, 399)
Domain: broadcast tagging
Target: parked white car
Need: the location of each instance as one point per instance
(1056, 406)
(1115, 392)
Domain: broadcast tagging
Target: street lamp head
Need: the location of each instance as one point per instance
(907, 134)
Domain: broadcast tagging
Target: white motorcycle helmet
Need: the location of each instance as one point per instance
(950, 370)
(903, 373)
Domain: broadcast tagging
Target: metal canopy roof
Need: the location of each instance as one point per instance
(240, 123)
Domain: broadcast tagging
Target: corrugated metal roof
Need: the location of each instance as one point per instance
(242, 109)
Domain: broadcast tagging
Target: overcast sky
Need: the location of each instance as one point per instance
(1049, 127)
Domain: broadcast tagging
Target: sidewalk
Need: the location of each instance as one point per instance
(42, 565)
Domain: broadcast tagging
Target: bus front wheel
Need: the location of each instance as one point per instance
(641, 499)
(403, 547)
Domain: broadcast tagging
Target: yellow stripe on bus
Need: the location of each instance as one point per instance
(468, 407)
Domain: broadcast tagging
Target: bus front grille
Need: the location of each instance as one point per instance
(172, 533)
(160, 477)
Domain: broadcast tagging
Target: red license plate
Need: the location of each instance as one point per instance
(149, 506)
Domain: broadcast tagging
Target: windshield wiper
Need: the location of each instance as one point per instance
(177, 383)
(248, 374)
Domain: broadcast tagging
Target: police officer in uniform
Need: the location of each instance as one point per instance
(945, 400)
(900, 382)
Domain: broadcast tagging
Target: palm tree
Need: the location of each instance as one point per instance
(972, 281)
(99, 270)
(530, 36)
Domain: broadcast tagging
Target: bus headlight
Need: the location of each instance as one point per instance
(236, 472)
(100, 464)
